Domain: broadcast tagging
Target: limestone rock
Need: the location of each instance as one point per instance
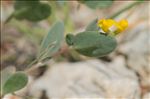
(146, 96)
(136, 46)
(89, 79)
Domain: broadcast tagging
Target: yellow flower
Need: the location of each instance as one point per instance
(111, 26)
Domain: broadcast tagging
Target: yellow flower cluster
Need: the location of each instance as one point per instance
(111, 26)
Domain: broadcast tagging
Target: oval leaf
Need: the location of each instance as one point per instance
(19, 4)
(38, 13)
(52, 41)
(94, 44)
(5, 74)
(31, 10)
(15, 82)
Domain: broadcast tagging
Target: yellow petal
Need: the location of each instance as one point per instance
(110, 22)
(105, 24)
(111, 26)
(123, 23)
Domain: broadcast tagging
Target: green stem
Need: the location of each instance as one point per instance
(14, 14)
(9, 18)
(53, 16)
(32, 63)
(125, 9)
(30, 66)
(69, 25)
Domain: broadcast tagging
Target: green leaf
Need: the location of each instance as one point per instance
(15, 82)
(5, 74)
(38, 13)
(19, 4)
(93, 44)
(31, 10)
(97, 4)
(52, 41)
(92, 26)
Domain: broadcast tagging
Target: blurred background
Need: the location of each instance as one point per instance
(123, 74)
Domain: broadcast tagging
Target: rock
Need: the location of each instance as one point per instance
(136, 46)
(89, 79)
(146, 96)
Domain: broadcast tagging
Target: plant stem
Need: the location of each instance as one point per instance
(9, 18)
(32, 63)
(124, 9)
